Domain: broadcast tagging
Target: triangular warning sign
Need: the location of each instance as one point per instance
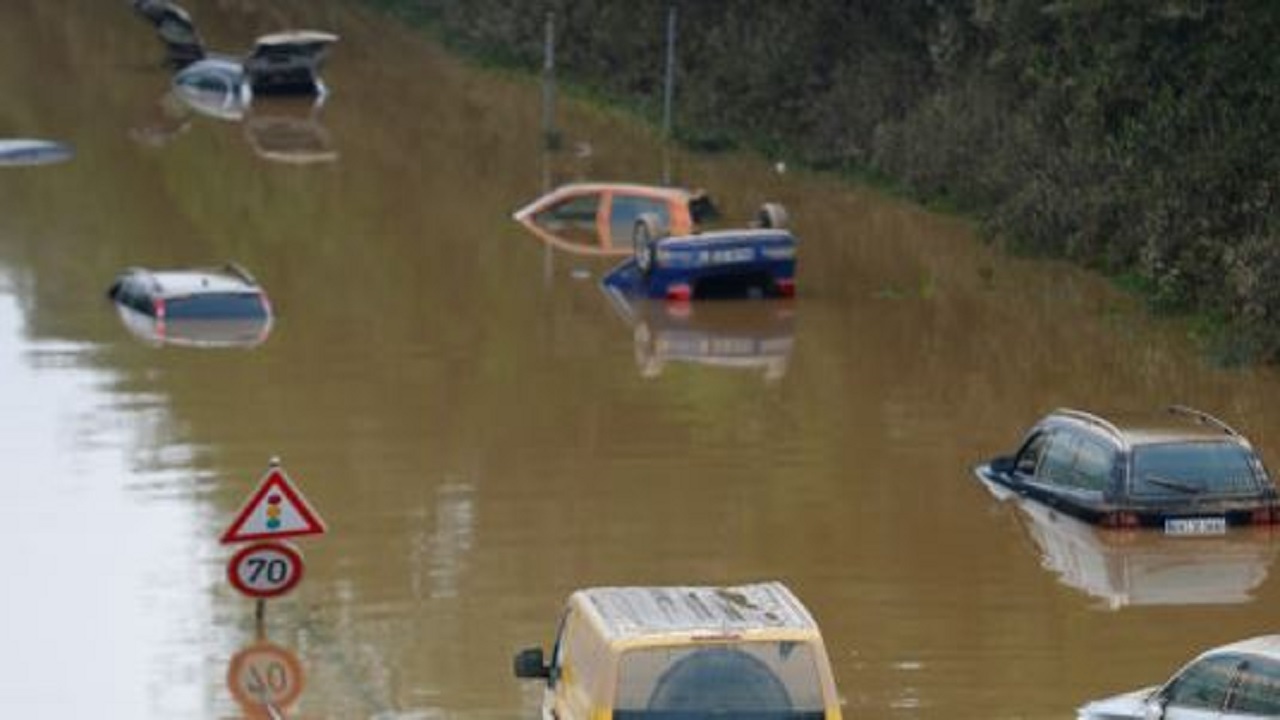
(275, 510)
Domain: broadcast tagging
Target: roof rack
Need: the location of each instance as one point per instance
(1203, 417)
(1092, 419)
(238, 270)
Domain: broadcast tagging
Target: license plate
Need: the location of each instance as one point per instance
(731, 255)
(1195, 526)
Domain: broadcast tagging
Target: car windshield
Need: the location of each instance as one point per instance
(757, 680)
(215, 306)
(1189, 469)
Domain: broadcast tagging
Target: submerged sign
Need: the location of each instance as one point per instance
(276, 509)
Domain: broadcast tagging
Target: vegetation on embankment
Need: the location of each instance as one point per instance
(1138, 137)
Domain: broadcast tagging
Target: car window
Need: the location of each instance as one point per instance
(1258, 689)
(1204, 684)
(1193, 468)
(573, 220)
(1077, 462)
(626, 209)
(215, 306)
(1029, 458)
(777, 679)
(133, 295)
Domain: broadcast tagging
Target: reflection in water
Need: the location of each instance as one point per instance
(265, 680)
(754, 336)
(1131, 568)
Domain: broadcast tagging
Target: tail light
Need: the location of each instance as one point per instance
(680, 292)
(266, 303)
(1264, 516)
(159, 303)
(1121, 520)
(787, 287)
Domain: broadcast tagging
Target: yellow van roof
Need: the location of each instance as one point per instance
(631, 612)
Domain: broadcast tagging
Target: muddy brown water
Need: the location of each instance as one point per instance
(484, 431)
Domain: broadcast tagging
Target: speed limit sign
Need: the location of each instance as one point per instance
(265, 675)
(265, 569)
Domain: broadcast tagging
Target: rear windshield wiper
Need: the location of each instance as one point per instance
(1173, 484)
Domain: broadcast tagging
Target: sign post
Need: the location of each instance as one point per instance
(275, 510)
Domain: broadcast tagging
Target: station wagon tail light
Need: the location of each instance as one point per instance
(680, 292)
(159, 303)
(1121, 520)
(787, 287)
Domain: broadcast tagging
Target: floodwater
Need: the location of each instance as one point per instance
(484, 430)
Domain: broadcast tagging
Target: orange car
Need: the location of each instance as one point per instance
(599, 218)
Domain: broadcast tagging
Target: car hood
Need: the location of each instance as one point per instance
(1128, 705)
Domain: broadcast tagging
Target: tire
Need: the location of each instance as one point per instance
(773, 215)
(644, 241)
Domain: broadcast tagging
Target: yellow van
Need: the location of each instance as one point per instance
(685, 653)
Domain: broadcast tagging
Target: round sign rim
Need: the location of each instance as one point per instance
(286, 657)
(292, 554)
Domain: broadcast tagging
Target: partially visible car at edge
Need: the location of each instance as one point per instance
(1181, 470)
(1240, 681)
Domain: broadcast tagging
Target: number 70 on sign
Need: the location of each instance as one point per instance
(265, 569)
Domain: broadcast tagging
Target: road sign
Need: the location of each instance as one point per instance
(276, 509)
(264, 675)
(265, 569)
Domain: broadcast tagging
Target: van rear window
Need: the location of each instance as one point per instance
(756, 680)
(215, 306)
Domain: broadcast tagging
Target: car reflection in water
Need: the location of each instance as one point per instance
(752, 336)
(1129, 567)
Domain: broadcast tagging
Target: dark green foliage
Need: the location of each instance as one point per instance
(1140, 137)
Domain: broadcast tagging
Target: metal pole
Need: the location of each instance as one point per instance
(549, 82)
(670, 87)
(260, 618)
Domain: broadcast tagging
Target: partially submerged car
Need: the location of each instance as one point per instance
(22, 152)
(1126, 569)
(747, 336)
(599, 218)
(1181, 470)
(220, 307)
(635, 653)
(284, 63)
(1240, 681)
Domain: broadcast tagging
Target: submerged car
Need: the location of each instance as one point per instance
(663, 230)
(1240, 681)
(632, 653)
(1135, 568)
(284, 63)
(222, 307)
(1182, 470)
(21, 152)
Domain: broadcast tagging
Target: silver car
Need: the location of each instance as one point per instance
(1240, 681)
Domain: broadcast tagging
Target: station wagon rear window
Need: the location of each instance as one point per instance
(220, 306)
(755, 680)
(1189, 469)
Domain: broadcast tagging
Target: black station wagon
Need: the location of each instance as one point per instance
(1182, 470)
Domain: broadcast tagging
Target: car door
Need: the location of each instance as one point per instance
(572, 222)
(1256, 693)
(626, 208)
(1201, 690)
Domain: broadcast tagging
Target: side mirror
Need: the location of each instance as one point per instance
(529, 664)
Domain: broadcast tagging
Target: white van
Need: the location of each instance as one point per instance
(682, 653)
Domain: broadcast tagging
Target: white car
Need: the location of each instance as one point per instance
(1240, 681)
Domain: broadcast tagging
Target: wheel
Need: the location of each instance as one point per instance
(773, 215)
(644, 240)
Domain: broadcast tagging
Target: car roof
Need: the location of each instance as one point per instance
(169, 283)
(1176, 423)
(633, 612)
(1264, 646)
